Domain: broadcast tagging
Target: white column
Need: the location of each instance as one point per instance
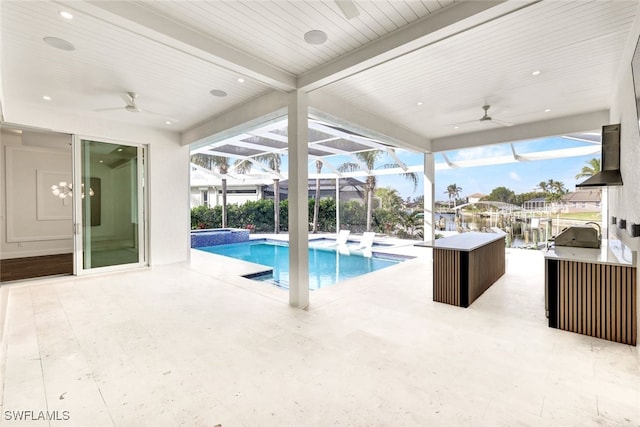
(337, 205)
(298, 200)
(429, 196)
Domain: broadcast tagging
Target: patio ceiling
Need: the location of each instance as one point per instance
(407, 73)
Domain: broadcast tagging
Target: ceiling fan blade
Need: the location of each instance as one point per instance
(348, 8)
(126, 98)
(501, 122)
(109, 109)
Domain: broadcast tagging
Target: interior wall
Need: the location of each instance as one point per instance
(167, 181)
(33, 221)
(123, 176)
(624, 200)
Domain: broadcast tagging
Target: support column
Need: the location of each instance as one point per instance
(337, 205)
(298, 129)
(429, 197)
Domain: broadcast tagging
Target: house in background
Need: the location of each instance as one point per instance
(206, 188)
(537, 204)
(582, 200)
(348, 189)
(475, 197)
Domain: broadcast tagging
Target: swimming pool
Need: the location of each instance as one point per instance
(326, 265)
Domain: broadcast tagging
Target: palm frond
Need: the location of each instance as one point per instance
(271, 160)
(242, 166)
(349, 167)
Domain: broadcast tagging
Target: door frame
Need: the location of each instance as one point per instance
(142, 208)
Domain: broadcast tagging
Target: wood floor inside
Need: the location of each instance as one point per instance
(38, 266)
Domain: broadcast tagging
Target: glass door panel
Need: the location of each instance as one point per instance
(111, 204)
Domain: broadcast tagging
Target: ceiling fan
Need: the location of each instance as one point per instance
(486, 118)
(131, 106)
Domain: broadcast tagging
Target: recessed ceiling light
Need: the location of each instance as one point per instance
(456, 127)
(46, 97)
(168, 122)
(59, 43)
(536, 72)
(217, 92)
(315, 37)
(66, 15)
(240, 80)
(547, 110)
(120, 149)
(419, 103)
(101, 161)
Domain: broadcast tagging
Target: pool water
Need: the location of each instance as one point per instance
(326, 265)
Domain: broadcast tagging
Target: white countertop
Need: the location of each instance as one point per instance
(463, 242)
(611, 252)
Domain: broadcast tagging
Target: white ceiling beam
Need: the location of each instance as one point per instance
(265, 168)
(135, 17)
(391, 152)
(449, 163)
(533, 130)
(271, 107)
(206, 148)
(327, 164)
(369, 142)
(446, 23)
(501, 160)
(327, 108)
(514, 154)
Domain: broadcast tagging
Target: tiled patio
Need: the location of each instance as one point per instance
(197, 345)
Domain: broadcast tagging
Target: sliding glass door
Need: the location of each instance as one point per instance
(109, 196)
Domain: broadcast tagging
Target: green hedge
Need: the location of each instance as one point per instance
(258, 215)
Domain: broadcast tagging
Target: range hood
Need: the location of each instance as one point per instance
(610, 161)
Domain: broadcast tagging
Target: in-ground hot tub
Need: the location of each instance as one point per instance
(218, 236)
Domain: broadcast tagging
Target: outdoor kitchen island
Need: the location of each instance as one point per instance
(466, 265)
(593, 291)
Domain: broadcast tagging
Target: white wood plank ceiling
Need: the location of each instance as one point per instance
(576, 46)
(274, 30)
(452, 57)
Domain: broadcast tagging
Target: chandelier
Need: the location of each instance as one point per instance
(64, 190)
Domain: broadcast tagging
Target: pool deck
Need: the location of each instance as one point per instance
(195, 344)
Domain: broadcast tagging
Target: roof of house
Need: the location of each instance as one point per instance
(586, 195)
(476, 196)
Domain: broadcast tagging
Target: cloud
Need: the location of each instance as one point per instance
(514, 176)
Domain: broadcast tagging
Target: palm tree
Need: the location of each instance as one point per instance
(316, 204)
(543, 186)
(412, 224)
(368, 158)
(453, 191)
(592, 168)
(389, 198)
(210, 162)
(273, 162)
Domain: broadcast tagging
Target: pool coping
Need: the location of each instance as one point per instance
(283, 239)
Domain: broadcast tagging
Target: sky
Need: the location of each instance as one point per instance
(519, 177)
